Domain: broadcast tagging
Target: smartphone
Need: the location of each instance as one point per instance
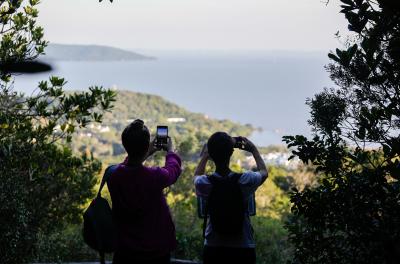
(239, 143)
(161, 137)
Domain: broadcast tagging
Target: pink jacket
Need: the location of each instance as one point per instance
(141, 214)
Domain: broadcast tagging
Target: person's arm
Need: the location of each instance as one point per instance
(152, 150)
(172, 168)
(250, 147)
(201, 168)
(202, 186)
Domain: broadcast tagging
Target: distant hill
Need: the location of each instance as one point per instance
(62, 52)
(189, 130)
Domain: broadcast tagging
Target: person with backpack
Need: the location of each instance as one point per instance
(228, 232)
(145, 232)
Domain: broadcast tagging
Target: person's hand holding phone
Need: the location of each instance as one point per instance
(239, 143)
(244, 144)
(162, 139)
(248, 145)
(170, 145)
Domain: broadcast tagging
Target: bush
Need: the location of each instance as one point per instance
(272, 244)
(353, 216)
(42, 184)
(65, 245)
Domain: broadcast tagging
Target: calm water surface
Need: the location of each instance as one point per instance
(265, 89)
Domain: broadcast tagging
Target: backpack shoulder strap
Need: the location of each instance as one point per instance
(109, 171)
(205, 222)
(213, 179)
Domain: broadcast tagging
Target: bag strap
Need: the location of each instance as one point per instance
(212, 180)
(205, 220)
(109, 171)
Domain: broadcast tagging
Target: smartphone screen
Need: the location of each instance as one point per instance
(162, 131)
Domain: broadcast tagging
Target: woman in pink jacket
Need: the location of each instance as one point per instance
(145, 230)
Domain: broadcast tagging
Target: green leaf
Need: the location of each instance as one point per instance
(334, 57)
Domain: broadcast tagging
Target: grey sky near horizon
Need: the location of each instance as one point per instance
(195, 24)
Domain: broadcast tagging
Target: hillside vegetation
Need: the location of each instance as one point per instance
(188, 130)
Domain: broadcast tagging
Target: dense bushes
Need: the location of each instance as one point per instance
(42, 183)
(353, 216)
(272, 241)
(63, 245)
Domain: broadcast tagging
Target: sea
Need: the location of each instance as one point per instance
(267, 89)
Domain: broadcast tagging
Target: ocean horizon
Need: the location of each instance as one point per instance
(266, 89)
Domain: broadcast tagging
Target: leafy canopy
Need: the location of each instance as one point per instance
(353, 215)
(42, 184)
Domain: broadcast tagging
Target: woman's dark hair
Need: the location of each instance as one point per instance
(136, 139)
(220, 147)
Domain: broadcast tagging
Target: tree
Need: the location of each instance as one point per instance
(353, 216)
(43, 185)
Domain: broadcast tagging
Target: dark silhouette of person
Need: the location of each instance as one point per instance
(145, 232)
(240, 247)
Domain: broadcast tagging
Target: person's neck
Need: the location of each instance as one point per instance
(223, 170)
(134, 163)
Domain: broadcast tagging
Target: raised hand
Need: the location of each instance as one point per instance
(170, 145)
(248, 145)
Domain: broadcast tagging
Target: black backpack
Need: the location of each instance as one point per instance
(98, 229)
(225, 205)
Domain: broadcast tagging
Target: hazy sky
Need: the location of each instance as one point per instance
(194, 24)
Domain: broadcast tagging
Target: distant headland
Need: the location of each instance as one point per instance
(64, 52)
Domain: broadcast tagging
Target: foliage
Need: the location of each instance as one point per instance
(21, 39)
(301, 178)
(352, 216)
(42, 184)
(272, 200)
(272, 245)
(63, 245)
